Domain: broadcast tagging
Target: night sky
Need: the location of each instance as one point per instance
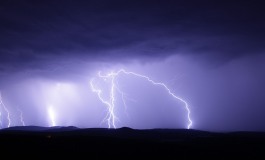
(210, 53)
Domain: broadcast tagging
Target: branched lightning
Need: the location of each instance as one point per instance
(21, 117)
(6, 110)
(124, 97)
(111, 118)
(110, 103)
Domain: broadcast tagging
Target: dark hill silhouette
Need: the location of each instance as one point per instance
(66, 141)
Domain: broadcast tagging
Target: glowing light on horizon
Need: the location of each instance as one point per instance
(111, 118)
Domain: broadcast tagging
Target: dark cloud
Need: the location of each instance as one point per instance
(33, 30)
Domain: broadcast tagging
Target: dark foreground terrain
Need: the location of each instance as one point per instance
(71, 141)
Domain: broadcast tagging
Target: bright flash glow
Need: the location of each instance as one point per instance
(110, 103)
(51, 115)
(6, 110)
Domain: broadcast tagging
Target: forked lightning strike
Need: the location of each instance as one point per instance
(110, 103)
(111, 115)
(6, 110)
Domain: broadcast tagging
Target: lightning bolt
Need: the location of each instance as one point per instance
(6, 110)
(21, 117)
(51, 115)
(111, 118)
(123, 97)
(110, 103)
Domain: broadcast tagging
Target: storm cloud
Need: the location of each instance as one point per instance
(210, 53)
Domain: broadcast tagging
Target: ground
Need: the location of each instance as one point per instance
(126, 142)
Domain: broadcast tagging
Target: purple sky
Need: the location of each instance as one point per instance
(211, 54)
